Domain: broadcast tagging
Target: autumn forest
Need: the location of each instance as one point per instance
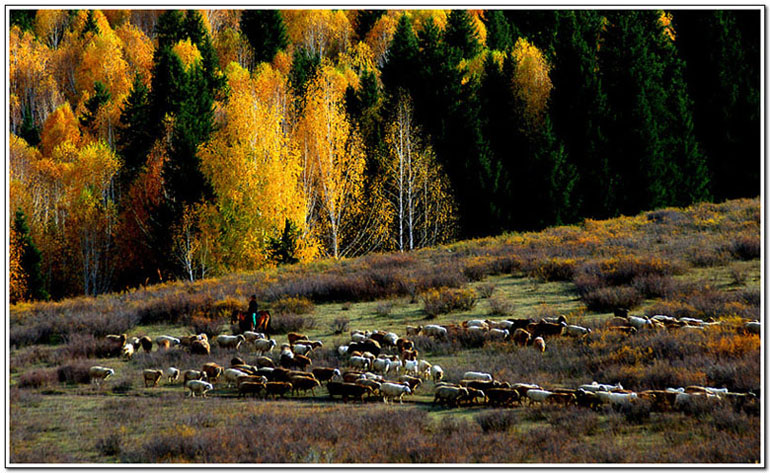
(151, 145)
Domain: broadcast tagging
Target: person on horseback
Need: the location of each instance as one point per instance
(252, 310)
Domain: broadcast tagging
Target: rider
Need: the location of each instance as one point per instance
(253, 309)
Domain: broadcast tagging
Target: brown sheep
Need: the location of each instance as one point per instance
(151, 377)
(521, 337)
(300, 361)
(248, 369)
(351, 376)
(378, 337)
(346, 390)
(213, 371)
(163, 344)
(187, 340)
(413, 331)
(410, 355)
(410, 380)
(146, 343)
(265, 362)
(404, 344)
(200, 347)
(190, 375)
(303, 383)
(519, 323)
(293, 337)
(501, 396)
(119, 340)
(250, 379)
(539, 344)
(250, 388)
(277, 388)
(544, 329)
(236, 360)
(325, 374)
(565, 399)
(628, 330)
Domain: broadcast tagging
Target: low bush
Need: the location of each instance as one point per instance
(745, 247)
(500, 307)
(496, 420)
(291, 323)
(211, 327)
(383, 308)
(109, 445)
(340, 325)
(607, 299)
(74, 373)
(38, 378)
(292, 305)
(485, 290)
(555, 269)
(446, 300)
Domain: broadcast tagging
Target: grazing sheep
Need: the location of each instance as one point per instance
(436, 373)
(250, 379)
(264, 346)
(357, 337)
(231, 376)
(753, 327)
(477, 375)
(200, 347)
(474, 393)
(588, 399)
(302, 349)
(163, 344)
(151, 377)
(359, 362)
(544, 329)
(639, 322)
(519, 323)
(117, 339)
(371, 346)
(594, 387)
(251, 388)
(435, 331)
(381, 365)
(498, 334)
(171, 340)
(190, 375)
(410, 380)
(294, 337)
(146, 343)
(410, 354)
(127, 351)
(501, 397)
(628, 330)
(172, 374)
(371, 383)
(265, 362)
(393, 391)
(413, 331)
(395, 366)
(539, 344)
(325, 374)
(345, 390)
(251, 337)
(523, 389)
(390, 339)
(352, 376)
(303, 383)
(404, 344)
(521, 337)
(564, 399)
(198, 387)
(213, 371)
(411, 366)
(277, 388)
(450, 395)
(423, 367)
(187, 340)
(99, 373)
(299, 361)
(576, 331)
(538, 395)
(248, 369)
(230, 341)
(616, 399)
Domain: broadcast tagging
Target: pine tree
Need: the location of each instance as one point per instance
(398, 72)
(460, 35)
(135, 131)
(193, 28)
(499, 31)
(29, 130)
(24, 19)
(169, 29)
(266, 33)
(364, 21)
(30, 259)
(303, 68)
(283, 250)
(101, 96)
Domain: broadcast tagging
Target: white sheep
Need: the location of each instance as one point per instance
(342, 350)
(595, 387)
(302, 349)
(359, 362)
(230, 341)
(498, 334)
(232, 375)
(436, 373)
(390, 339)
(436, 331)
(372, 376)
(393, 391)
(127, 351)
(576, 331)
(639, 322)
(395, 366)
(477, 376)
(251, 337)
(424, 368)
(171, 340)
(264, 346)
(537, 395)
(502, 324)
(198, 387)
(172, 374)
(477, 323)
(412, 367)
(616, 399)
(381, 365)
(99, 373)
(358, 337)
(663, 318)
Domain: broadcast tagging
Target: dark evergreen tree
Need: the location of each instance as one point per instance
(364, 21)
(460, 36)
(30, 259)
(101, 96)
(266, 33)
(303, 68)
(29, 130)
(499, 31)
(90, 26)
(135, 132)
(283, 250)
(538, 26)
(169, 30)
(720, 48)
(398, 72)
(194, 29)
(24, 19)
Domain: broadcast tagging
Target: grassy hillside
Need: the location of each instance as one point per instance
(702, 261)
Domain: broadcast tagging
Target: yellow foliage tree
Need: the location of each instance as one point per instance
(324, 33)
(531, 82)
(253, 166)
(333, 163)
(60, 127)
(232, 46)
(187, 52)
(50, 26)
(137, 51)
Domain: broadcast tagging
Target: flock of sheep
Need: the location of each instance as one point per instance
(383, 365)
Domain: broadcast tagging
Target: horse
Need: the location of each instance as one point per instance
(245, 322)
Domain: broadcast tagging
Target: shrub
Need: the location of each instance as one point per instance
(347, 306)
(109, 445)
(496, 420)
(291, 323)
(446, 300)
(701, 257)
(340, 325)
(485, 290)
(210, 327)
(74, 373)
(655, 285)
(292, 305)
(87, 346)
(745, 247)
(468, 339)
(738, 275)
(37, 378)
(500, 307)
(555, 269)
(383, 308)
(608, 299)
